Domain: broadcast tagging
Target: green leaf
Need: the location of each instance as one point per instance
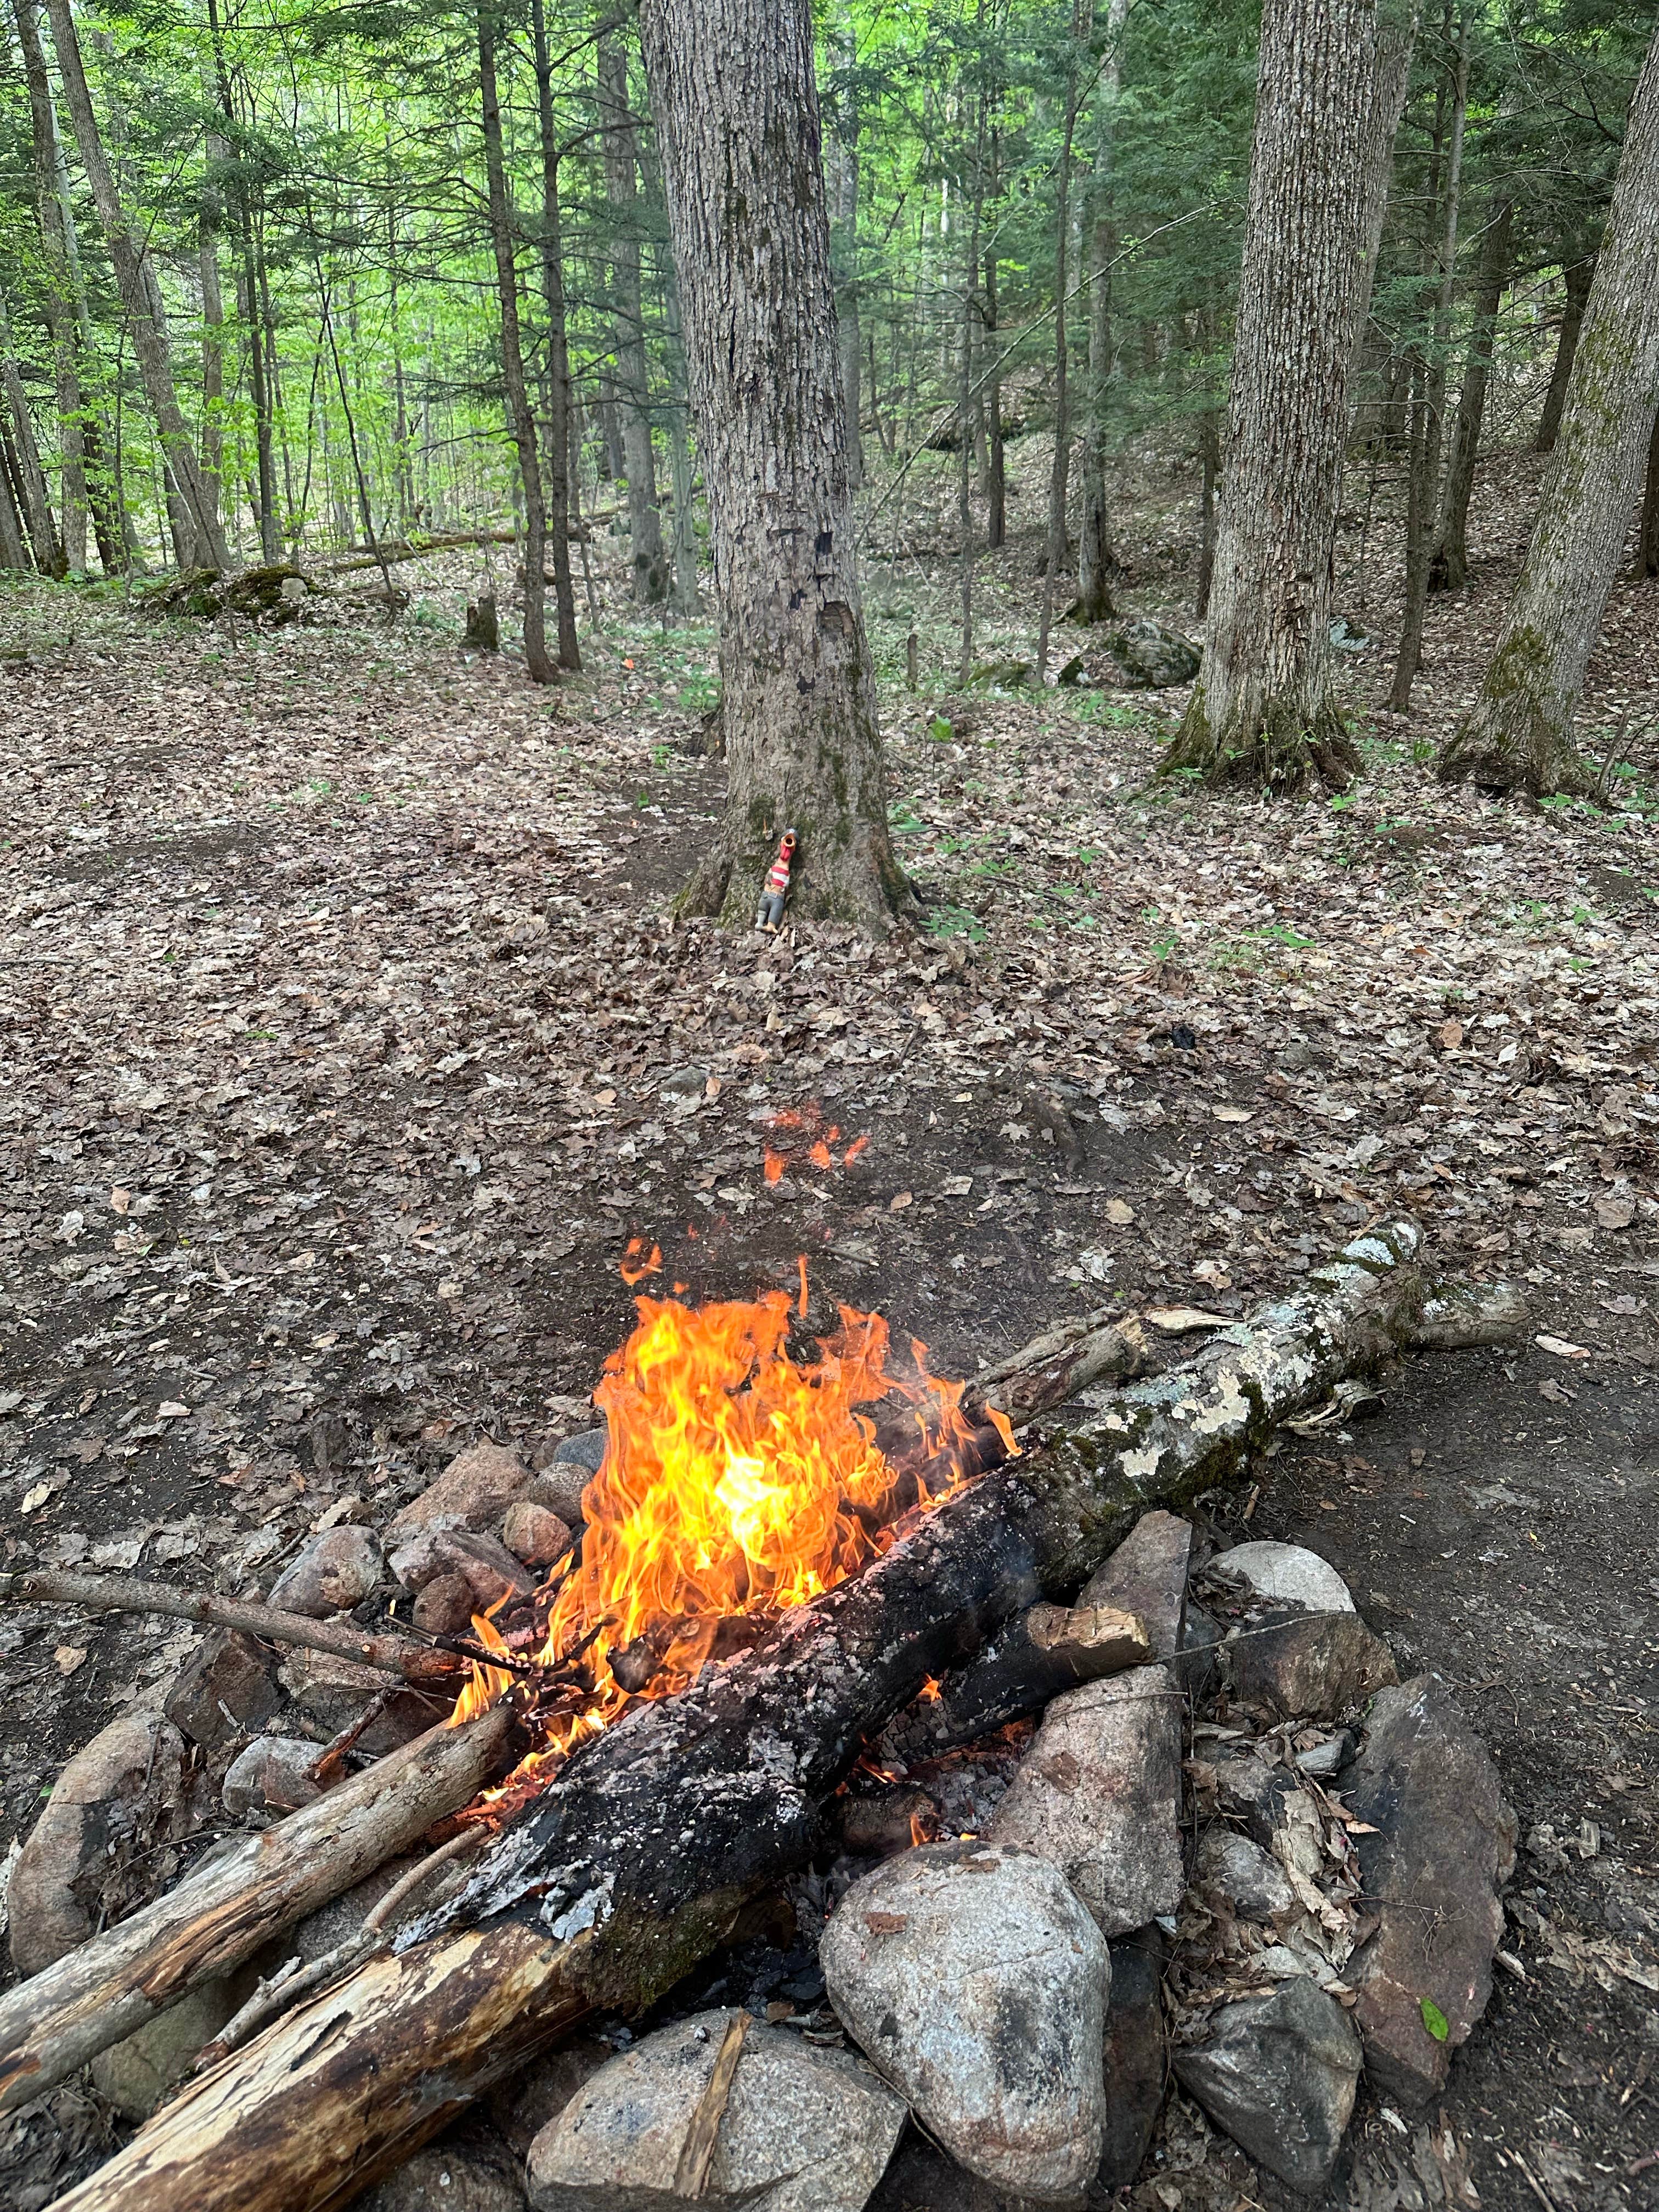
(1434, 2020)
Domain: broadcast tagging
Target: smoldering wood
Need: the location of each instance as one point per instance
(443, 1664)
(220, 1917)
(1043, 1651)
(1071, 1357)
(639, 1858)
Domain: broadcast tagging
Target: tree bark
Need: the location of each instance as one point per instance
(1520, 731)
(633, 382)
(59, 301)
(1094, 562)
(844, 238)
(996, 469)
(217, 1919)
(537, 661)
(1262, 708)
(31, 476)
(1396, 39)
(147, 326)
(213, 337)
(1425, 496)
(1647, 530)
(13, 553)
(1449, 569)
(638, 1859)
(1059, 472)
(558, 354)
(736, 100)
(1576, 278)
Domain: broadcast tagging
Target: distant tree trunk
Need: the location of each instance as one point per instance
(639, 459)
(537, 660)
(1094, 563)
(1647, 533)
(1425, 457)
(844, 234)
(1262, 707)
(1060, 474)
(1396, 38)
(1209, 447)
(1448, 571)
(996, 471)
(968, 549)
(559, 409)
(147, 328)
(57, 302)
(687, 601)
(612, 466)
(737, 108)
(1520, 732)
(213, 335)
(33, 491)
(261, 351)
(1577, 279)
(12, 552)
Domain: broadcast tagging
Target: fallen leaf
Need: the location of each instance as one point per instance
(170, 1409)
(1550, 1388)
(69, 1656)
(900, 1200)
(1616, 1213)
(1119, 1212)
(1560, 1347)
(1233, 1113)
(1434, 2020)
(1450, 1035)
(120, 1199)
(33, 1500)
(1174, 1320)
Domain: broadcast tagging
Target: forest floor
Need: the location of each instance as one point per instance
(340, 1001)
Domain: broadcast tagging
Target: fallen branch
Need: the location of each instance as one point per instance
(637, 1860)
(1069, 1357)
(442, 1664)
(216, 1919)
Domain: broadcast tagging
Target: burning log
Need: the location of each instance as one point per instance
(101, 1992)
(637, 1859)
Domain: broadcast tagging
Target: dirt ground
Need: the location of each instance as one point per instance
(348, 1045)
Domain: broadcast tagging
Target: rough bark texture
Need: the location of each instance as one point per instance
(1261, 709)
(558, 356)
(1094, 562)
(31, 477)
(1577, 277)
(736, 100)
(638, 1859)
(639, 459)
(537, 660)
(139, 297)
(1647, 531)
(57, 301)
(105, 1989)
(1449, 569)
(1520, 731)
(846, 216)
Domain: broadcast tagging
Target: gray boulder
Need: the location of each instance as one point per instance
(534, 1534)
(227, 1690)
(272, 1774)
(1098, 1795)
(1444, 1843)
(1279, 2074)
(1135, 2057)
(473, 1492)
(804, 2129)
(1312, 1666)
(466, 2172)
(975, 1982)
(335, 1571)
(1151, 657)
(483, 1562)
(444, 1606)
(135, 2074)
(1239, 1869)
(1285, 1574)
(1147, 1574)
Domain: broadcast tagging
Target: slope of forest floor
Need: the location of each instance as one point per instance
(349, 1046)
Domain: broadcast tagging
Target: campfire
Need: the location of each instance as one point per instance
(748, 1468)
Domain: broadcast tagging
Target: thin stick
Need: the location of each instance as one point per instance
(697, 2151)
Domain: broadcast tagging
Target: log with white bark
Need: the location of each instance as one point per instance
(221, 1916)
(638, 1860)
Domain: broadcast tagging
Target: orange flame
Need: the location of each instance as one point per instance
(633, 1267)
(739, 1480)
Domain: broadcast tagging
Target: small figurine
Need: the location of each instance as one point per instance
(775, 889)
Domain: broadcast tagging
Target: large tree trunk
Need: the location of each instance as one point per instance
(1576, 278)
(1424, 493)
(136, 280)
(213, 334)
(31, 475)
(1647, 529)
(59, 298)
(558, 355)
(633, 384)
(1059, 472)
(1262, 707)
(638, 1859)
(1449, 569)
(1094, 563)
(736, 100)
(845, 241)
(537, 660)
(1520, 731)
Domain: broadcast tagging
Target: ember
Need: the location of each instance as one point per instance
(740, 1479)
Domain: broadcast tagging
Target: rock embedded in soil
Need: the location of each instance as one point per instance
(1285, 1574)
(973, 1979)
(444, 1606)
(466, 2174)
(1313, 1666)
(1237, 1867)
(1198, 1668)
(1150, 657)
(534, 1534)
(481, 1561)
(1098, 1795)
(521, 2107)
(1135, 2061)
(1444, 1844)
(227, 1690)
(1279, 2074)
(1147, 1575)
(804, 2129)
(473, 1492)
(271, 1775)
(53, 1898)
(334, 1572)
(135, 2074)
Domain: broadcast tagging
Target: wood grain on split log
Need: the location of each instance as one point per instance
(435, 1666)
(1069, 1357)
(636, 1861)
(217, 1918)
